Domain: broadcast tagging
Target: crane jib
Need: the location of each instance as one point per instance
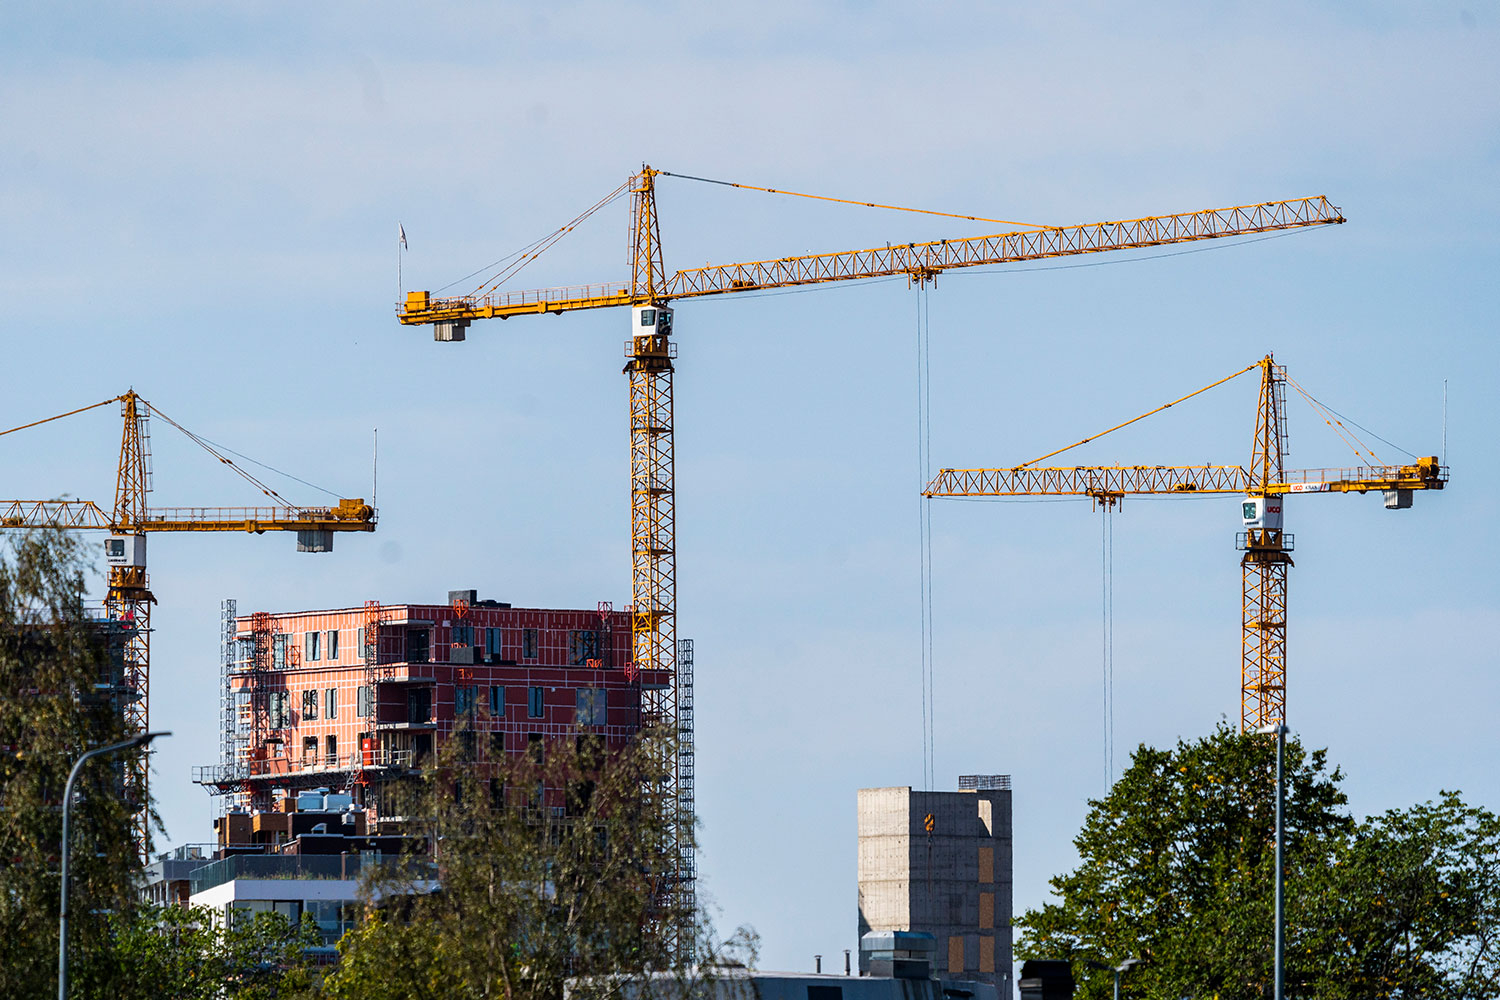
(921, 260)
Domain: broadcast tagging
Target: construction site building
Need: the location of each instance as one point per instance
(349, 700)
(939, 863)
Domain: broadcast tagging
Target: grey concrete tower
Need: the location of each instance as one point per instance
(940, 862)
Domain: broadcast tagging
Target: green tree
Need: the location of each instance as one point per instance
(60, 690)
(545, 869)
(183, 953)
(1177, 866)
(1408, 906)
(55, 670)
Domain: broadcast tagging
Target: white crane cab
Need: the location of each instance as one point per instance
(1262, 513)
(125, 550)
(650, 321)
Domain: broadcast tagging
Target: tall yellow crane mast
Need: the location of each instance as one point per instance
(128, 599)
(650, 352)
(1262, 484)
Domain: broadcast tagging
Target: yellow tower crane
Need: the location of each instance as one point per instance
(650, 350)
(1263, 484)
(128, 600)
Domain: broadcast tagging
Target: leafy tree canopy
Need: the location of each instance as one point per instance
(1177, 864)
(549, 867)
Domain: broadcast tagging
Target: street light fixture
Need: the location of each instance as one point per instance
(62, 923)
(1278, 729)
(1123, 967)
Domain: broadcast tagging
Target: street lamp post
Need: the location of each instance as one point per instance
(62, 920)
(1278, 729)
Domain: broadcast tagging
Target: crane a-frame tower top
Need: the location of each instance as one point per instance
(650, 350)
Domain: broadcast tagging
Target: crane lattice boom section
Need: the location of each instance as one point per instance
(85, 515)
(927, 259)
(919, 260)
(1092, 481)
(82, 514)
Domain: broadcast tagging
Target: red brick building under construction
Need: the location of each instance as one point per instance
(348, 699)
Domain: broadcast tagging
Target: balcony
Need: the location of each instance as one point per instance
(285, 767)
(305, 867)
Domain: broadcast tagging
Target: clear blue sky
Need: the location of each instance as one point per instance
(201, 202)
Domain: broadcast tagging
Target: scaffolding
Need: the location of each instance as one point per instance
(687, 861)
(232, 738)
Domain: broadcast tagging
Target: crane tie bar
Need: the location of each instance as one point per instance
(862, 204)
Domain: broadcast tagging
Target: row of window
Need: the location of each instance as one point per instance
(310, 704)
(279, 705)
(592, 708)
(592, 703)
(583, 644)
(320, 645)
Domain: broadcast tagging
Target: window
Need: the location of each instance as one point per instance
(955, 954)
(463, 635)
(591, 707)
(419, 705)
(279, 708)
(648, 317)
(534, 703)
(583, 645)
(986, 864)
(364, 706)
(279, 642)
(465, 699)
(359, 643)
(310, 646)
(332, 644)
(467, 746)
(528, 644)
(416, 645)
(497, 746)
(309, 751)
(331, 703)
(535, 749)
(333, 750)
(309, 704)
(577, 797)
(494, 641)
(497, 701)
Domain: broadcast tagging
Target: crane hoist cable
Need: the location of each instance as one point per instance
(924, 532)
(1107, 636)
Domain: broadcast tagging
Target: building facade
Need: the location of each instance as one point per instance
(351, 699)
(940, 863)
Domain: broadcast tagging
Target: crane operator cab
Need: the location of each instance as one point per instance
(651, 321)
(1262, 513)
(650, 347)
(125, 550)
